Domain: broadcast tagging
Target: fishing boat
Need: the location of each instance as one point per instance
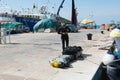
(5, 13)
(6, 17)
(27, 18)
(30, 19)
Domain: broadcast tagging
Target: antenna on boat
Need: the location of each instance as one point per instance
(91, 15)
(34, 6)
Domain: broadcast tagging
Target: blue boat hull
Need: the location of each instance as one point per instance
(26, 21)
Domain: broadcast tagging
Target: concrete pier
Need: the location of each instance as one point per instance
(27, 56)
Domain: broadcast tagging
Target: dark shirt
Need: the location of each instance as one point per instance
(63, 32)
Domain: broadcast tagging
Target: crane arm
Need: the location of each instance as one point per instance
(61, 6)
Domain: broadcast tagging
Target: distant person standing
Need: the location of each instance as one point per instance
(63, 30)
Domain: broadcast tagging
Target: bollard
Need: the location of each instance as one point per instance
(89, 36)
(102, 32)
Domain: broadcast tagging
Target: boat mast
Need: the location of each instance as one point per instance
(74, 16)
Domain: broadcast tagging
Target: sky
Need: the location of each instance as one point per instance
(101, 11)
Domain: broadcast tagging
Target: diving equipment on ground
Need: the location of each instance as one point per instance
(70, 54)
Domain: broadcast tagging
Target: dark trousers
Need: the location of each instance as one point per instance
(65, 42)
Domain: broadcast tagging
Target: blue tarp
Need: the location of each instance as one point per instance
(46, 23)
